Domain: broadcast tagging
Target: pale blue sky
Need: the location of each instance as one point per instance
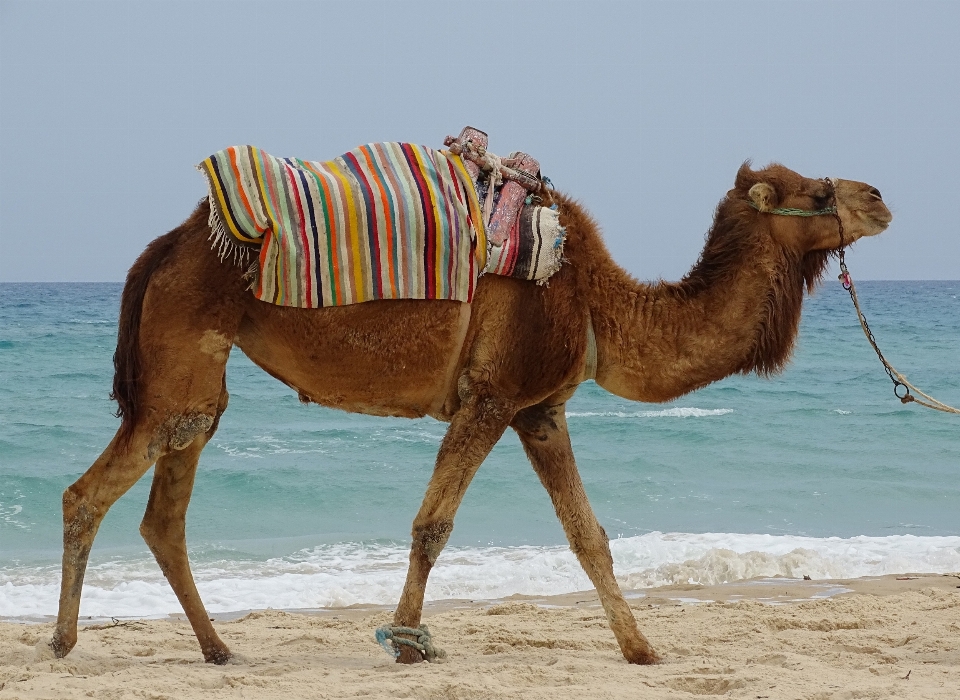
(643, 110)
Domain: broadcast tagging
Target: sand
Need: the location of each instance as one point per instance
(896, 637)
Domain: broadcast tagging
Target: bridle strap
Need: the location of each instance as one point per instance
(788, 211)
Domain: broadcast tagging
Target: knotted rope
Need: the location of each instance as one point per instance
(497, 168)
(423, 643)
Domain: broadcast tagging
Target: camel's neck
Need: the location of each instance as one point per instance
(658, 342)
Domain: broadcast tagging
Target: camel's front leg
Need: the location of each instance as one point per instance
(473, 432)
(543, 432)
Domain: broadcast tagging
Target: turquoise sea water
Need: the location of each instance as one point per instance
(818, 471)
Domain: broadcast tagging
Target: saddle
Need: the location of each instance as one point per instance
(524, 240)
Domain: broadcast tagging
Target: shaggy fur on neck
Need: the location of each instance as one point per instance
(739, 237)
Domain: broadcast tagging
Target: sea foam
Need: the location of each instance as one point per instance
(346, 574)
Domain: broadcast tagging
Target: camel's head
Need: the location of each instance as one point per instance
(803, 212)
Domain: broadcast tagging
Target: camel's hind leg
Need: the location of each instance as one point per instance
(543, 432)
(84, 505)
(87, 501)
(164, 529)
(179, 314)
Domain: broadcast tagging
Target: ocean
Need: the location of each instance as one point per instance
(818, 472)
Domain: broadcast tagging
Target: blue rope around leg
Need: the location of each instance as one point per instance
(424, 644)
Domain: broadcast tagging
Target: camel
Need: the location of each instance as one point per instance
(511, 358)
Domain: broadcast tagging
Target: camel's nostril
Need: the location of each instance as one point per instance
(876, 193)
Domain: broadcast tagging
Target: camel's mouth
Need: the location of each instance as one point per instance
(876, 220)
(863, 208)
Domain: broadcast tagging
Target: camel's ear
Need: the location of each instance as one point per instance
(764, 196)
(744, 176)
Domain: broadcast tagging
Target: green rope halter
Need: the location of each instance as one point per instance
(788, 211)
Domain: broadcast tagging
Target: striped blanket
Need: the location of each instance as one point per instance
(384, 221)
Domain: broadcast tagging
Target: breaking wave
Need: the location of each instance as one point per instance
(356, 573)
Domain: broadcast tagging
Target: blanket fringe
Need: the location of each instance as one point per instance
(226, 246)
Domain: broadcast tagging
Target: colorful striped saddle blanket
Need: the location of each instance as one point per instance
(384, 221)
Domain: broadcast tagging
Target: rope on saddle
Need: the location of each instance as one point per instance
(498, 169)
(423, 643)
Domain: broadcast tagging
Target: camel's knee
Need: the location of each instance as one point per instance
(431, 538)
(80, 518)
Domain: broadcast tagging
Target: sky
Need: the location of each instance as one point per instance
(641, 110)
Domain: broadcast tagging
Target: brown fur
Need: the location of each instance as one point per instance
(512, 358)
(735, 238)
(126, 358)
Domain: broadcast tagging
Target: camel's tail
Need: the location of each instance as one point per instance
(127, 364)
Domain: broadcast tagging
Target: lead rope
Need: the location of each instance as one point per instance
(896, 377)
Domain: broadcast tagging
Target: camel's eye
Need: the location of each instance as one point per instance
(822, 201)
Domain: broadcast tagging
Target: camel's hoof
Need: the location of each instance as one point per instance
(643, 656)
(217, 656)
(60, 646)
(649, 659)
(646, 659)
(409, 655)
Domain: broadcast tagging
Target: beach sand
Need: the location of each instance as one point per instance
(896, 637)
